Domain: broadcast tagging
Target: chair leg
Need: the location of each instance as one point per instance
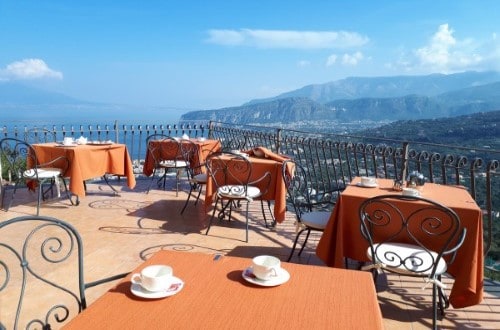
(295, 244)
(187, 200)
(40, 193)
(434, 306)
(213, 215)
(273, 222)
(193, 187)
(263, 212)
(177, 177)
(151, 182)
(164, 178)
(246, 226)
(305, 241)
(200, 187)
(68, 193)
(230, 204)
(444, 302)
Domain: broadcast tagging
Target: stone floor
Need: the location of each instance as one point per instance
(119, 232)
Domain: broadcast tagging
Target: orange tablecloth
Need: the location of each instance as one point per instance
(276, 191)
(89, 161)
(215, 296)
(342, 237)
(204, 149)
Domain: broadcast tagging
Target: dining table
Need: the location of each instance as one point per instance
(262, 161)
(214, 291)
(342, 237)
(88, 161)
(204, 148)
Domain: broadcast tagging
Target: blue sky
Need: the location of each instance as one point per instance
(190, 55)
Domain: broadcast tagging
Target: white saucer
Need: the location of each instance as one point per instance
(373, 185)
(175, 288)
(283, 277)
(99, 143)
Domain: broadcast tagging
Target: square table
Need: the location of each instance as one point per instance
(276, 191)
(342, 236)
(205, 147)
(215, 296)
(89, 161)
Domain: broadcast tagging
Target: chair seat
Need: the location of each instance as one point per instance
(200, 178)
(46, 173)
(174, 163)
(316, 219)
(238, 191)
(405, 253)
(43, 173)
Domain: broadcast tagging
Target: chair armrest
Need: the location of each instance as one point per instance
(61, 162)
(265, 179)
(453, 250)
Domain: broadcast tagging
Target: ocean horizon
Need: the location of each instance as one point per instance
(15, 117)
(15, 122)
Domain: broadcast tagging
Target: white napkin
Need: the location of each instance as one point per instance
(81, 140)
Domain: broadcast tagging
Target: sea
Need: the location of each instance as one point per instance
(75, 116)
(18, 120)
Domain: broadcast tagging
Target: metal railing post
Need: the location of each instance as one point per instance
(404, 169)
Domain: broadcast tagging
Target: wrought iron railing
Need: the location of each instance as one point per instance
(332, 160)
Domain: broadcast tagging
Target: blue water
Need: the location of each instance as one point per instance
(87, 116)
(134, 124)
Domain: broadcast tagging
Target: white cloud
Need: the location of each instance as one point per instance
(303, 63)
(331, 60)
(287, 38)
(438, 51)
(346, 59)
(445, 53)
(29, 69)
(352, 59)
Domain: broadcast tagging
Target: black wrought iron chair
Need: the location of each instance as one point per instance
(411, 236)
(197, 176)
(310, 214)
(41, 265)
(20, 167)
(40, 135)
(231, 175)
(168, 156)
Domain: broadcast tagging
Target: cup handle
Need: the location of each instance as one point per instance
(136, 278)
(275, 272)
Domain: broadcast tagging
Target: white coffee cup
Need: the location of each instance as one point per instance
(368, 180)
(68, 140)
(265, 267)
(411, 192)
(154, 277)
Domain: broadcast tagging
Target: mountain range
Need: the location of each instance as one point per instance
(369, 99)
(21, 104)
(349, 100)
